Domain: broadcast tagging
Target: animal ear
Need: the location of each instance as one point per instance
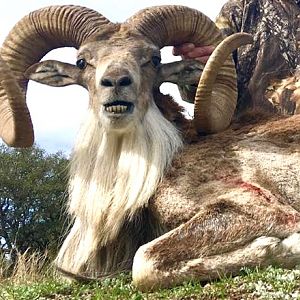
(54, 73)
(184, 72)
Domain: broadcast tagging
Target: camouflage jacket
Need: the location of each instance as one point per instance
(273, 55)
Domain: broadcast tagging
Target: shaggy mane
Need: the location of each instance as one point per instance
(113, 176)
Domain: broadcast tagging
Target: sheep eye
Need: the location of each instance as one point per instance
(81, 63)
(155, 60)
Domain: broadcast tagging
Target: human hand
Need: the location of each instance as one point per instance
(189, 50)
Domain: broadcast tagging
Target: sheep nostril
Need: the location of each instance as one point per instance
(106, 82)
(124, 81)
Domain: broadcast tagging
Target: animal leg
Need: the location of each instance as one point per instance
(220, 239)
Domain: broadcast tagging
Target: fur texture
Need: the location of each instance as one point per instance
(113, 176)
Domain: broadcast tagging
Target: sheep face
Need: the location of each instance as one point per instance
(120, 80)
(120, 71)
(118, 74)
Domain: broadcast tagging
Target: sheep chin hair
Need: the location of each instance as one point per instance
(113, 177)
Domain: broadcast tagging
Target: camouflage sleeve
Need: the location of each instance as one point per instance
(230, 17)
(229, 21)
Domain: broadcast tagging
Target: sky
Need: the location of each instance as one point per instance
(58, 112)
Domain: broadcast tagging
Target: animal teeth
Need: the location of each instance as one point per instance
(116, 109)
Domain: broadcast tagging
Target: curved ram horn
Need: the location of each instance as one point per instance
(174, 25)
(30, 39)
(13, 111)
(214, 100)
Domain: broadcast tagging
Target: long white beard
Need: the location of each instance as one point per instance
(113, 176)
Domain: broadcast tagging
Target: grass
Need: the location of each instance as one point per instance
(32, 279)
(271, 283)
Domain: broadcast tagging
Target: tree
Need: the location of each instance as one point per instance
(32, 193)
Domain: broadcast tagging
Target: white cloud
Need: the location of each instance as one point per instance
(57, 112)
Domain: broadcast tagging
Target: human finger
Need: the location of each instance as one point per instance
(199, 52)
(202, 59)
(183, 49)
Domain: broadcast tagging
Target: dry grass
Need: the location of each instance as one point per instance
(28, 267)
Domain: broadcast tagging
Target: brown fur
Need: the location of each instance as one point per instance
(213, 204)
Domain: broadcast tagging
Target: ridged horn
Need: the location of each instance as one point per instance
(30, 39)
(173, 25)
(215, 99)
(13, 111)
